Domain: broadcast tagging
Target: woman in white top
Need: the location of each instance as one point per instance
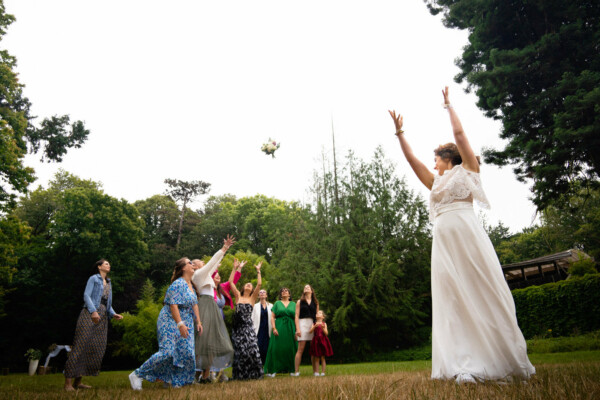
(213, 347)
(261, 320)
(475, 335)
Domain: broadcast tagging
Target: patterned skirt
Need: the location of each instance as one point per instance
(246, 360)
(89, 345)
(174, 361)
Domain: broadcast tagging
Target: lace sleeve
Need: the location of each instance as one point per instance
(474, 183)
(457, 184)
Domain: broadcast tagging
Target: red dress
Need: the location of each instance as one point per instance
(319, 345)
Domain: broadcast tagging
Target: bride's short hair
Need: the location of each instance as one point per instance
(449, 151)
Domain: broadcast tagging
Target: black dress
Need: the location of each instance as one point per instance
(246, 356)
(263, 333)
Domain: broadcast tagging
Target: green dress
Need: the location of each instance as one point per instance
(282, 348)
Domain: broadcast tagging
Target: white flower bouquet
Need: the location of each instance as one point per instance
(270, 147)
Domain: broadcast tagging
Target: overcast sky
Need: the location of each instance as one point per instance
(190, 89)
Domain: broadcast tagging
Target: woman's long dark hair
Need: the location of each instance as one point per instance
(220, 290)
(313, 297)
(99, 263)
(178, 270)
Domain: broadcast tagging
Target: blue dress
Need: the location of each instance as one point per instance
(175, 361)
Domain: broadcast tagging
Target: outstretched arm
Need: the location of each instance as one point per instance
(201, 275)
(235, 291)
(258, 282)
(464, 147)
(422, 172)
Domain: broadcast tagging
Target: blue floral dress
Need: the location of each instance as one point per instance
(175, 361)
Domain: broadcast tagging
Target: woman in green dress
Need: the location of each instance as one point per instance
(283, 344)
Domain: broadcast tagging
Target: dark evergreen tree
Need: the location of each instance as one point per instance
(535, 65)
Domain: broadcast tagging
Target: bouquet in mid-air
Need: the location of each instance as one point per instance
(270, 147)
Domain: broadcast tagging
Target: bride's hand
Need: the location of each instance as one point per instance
(398, 120)
(445, 93)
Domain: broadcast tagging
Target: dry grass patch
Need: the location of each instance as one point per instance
(565, 381)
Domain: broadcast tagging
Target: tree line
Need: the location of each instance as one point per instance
(363, 240)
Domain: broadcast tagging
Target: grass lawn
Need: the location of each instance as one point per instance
(574, 375)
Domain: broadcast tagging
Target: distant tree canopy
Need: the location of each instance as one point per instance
(536, 66)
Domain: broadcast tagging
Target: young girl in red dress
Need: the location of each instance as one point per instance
(320, 346)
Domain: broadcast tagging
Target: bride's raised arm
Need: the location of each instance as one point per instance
(422, 172)
(469, 160)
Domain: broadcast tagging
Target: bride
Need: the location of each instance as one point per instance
(475, 335)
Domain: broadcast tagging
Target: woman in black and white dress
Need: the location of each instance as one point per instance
(246, 356)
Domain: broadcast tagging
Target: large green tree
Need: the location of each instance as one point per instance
(162, 217)
(77, 224)
(365, 249)
(535, 65)
(18, 132)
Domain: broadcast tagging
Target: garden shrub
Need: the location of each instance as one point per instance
(559, 309)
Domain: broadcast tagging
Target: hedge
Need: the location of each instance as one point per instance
(562, 308)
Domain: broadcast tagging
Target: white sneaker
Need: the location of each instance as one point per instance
(270, 375)
(295, 373)
(465, 378)
(322, 373)
(316, 374)
(136, 381)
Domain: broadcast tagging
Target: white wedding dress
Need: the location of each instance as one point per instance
(475, 331)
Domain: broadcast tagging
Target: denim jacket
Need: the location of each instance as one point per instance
(93, 294)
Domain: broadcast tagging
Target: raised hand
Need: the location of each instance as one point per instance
(242, 265)
(398, 121)
(227, 243)
(257, 266)
(236, 263)
(445, 94)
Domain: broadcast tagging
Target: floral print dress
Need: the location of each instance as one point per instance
(174, 362)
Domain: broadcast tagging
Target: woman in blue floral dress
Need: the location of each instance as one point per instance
(174, 363)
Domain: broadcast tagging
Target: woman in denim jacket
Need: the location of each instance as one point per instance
(89, 343)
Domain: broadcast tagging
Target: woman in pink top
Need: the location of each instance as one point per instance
(222, 289)
(223, 298)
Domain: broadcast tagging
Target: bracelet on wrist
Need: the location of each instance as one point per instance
(447, 105)
(399, 132)
(180, 323)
